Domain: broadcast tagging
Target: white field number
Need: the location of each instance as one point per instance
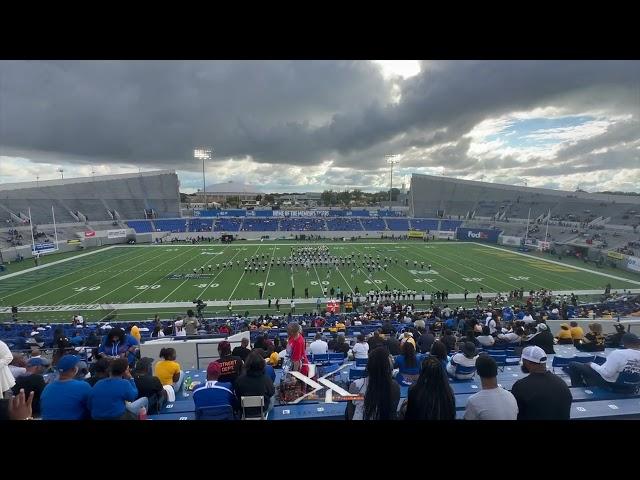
(147, 287)
(369, 281)
(519, 278)
(423, 280)
(204, 285)
(472, 279)
(313, 282)
(261, 284)
(82, 289)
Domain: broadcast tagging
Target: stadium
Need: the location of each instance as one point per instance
(116, 252)
(193, 241)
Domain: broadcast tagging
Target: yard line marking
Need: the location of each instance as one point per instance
(48, 292)
(268, 270)
(40, 267)
(324, 293)
(240, 279)
(164, 276)
(146, 272)
(214, 278)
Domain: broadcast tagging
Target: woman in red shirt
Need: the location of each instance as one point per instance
(296, 349)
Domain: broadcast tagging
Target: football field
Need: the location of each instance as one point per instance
(169, 277)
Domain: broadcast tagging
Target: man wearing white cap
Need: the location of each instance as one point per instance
(491, 323)
(541, 395)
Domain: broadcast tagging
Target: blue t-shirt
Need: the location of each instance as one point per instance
(117, 348)
(400, 363)
(108, 396)
(66, 400)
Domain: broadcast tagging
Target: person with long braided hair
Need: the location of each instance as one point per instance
(431, 397)
(381, 391)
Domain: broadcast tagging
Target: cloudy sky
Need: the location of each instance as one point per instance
(311, 125)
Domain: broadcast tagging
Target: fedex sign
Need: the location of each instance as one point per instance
(474, 234)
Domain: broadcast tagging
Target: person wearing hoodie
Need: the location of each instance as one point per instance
(564, 335)
(118, 344)
(254, 381)
(543, 338)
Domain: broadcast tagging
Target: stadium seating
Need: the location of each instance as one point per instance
(424, 224)
(228, 224)
(397, 224)
(373, 224)
(302, 224)
(141, 226)
(338, 224)
(259, 225)
(200, 225)
(171, 225)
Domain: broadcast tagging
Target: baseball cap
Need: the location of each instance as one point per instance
(541, 327)
(67, 362)
(214, 368)
(534, 354)
(37, 362)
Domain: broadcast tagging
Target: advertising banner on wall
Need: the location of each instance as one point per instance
(616, 255)
(510, 240)
(478, 235)
(90, 233)
(633, 263)
(116, 233)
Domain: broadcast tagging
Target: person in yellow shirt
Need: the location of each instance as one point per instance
(135, 333)
(168, 370)
(576, 332)
(340, 325)
(564, 335)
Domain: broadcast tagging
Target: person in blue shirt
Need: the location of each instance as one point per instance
(118, 344)
(408, 364)
(66, 398)
(77, 339)
(114, 398)
(215, 393)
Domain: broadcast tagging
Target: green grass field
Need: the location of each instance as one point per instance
(135, 280)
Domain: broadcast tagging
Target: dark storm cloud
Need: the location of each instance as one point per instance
(300, 112)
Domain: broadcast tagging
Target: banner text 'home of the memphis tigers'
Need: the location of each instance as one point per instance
(478, 235)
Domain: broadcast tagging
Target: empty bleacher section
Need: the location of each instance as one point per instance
(373, 224)
(422, 224)
(398, 223)
(228, 225)
(171, 225)
(128, 194)
(141, 226)
(450, 225)
(339, 224)
(259, 225)
(200, 225)
(309, 224)
(432, 196)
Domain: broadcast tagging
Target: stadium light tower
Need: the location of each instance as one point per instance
(391, 160)
(203, 154)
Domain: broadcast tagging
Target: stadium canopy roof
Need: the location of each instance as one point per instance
(71, 181)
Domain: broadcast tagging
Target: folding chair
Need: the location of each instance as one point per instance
(361, 362)
(500, 358)
(462, 370)
(356, 373)
(321, 358)
(336, 357)
(252, 402)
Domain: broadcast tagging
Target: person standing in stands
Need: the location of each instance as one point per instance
(242, 351)
(541, 395)
(230, 365)
(7, 380)
(431, 398)
(168, 370)
(492, 402)
(296, 349)
(606, 375)
(255, 382)
(114, 398)
(66, 398)
(32, 381)
(381, 392)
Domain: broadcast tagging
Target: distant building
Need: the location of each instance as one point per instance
(220, 192)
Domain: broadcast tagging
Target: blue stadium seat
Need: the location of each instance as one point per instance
(361, 362)
(356, 373)
(462, 370)
(336, 357)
